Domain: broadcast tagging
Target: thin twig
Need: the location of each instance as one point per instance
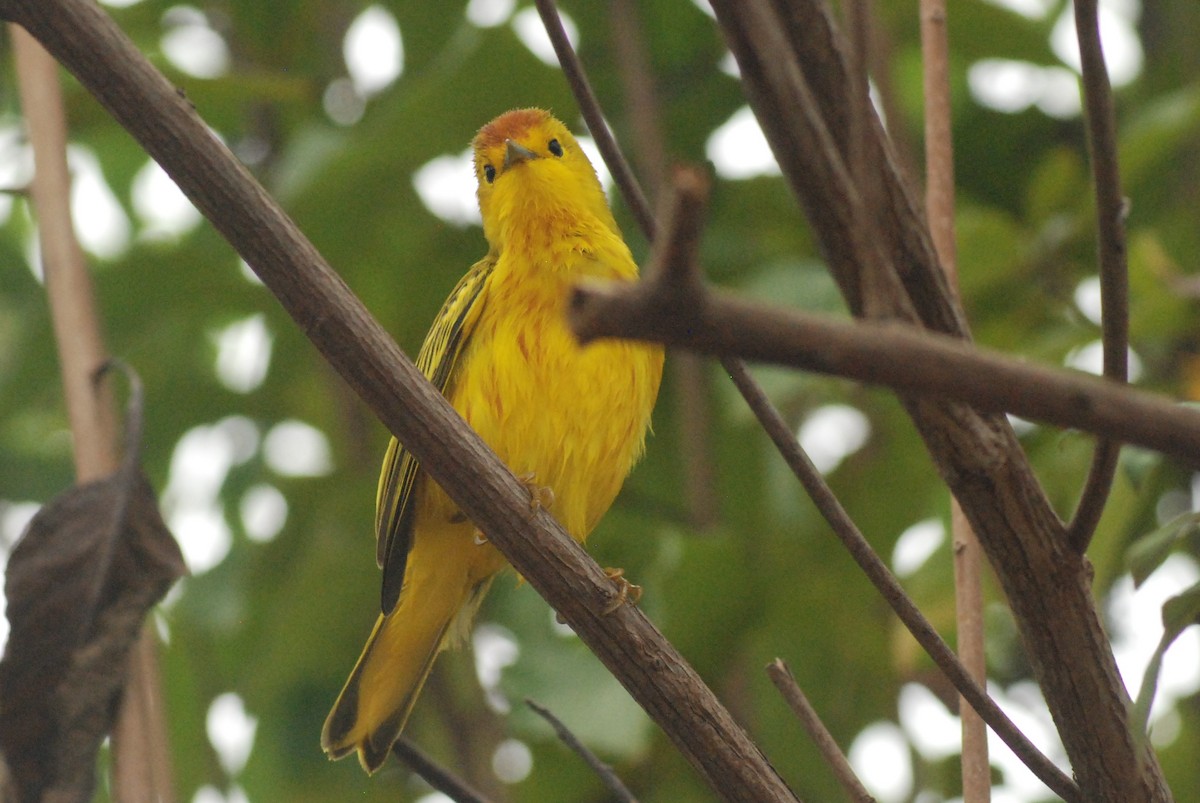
(783, 679)
(609, 778)
(435, 774)
(589, 106)
(1110, 247)
(967, 554)
(893, 593)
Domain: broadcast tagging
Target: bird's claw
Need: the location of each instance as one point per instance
(626, 593)
(541, 497)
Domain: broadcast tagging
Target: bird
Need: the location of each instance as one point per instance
(569, 420)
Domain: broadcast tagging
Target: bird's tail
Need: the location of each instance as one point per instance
(377, 699)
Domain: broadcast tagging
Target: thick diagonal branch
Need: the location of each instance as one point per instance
(90, 45)
(796, 96)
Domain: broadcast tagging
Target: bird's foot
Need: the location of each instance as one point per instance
(627, 592)
(541, 497)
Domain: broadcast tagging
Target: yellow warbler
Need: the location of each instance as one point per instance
(569, 419)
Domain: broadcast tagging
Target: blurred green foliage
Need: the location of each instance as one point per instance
(281, 621)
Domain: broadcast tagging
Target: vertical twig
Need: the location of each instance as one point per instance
(1110, 248)
(939, 208)
(141, 760)
(782, 677)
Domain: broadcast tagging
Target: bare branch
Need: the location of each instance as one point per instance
(435, 774)
(590, 108)
(1110, 247)
(939, 209)
(609, 778)
(782, 677)
(976, 453)
(890, 589)
(90, 45)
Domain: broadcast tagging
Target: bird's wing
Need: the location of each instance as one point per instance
(395, 502)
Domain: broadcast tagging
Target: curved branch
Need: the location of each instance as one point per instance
(1110, 247)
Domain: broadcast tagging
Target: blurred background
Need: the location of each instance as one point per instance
(357, 118)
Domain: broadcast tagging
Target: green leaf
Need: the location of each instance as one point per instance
(1178, 613)
(1149, 551)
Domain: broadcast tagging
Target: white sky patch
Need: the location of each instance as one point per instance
(728, 65)
(199, 465)
(203, 534)
(119, 3)
(210, 794)
(244, 353)
(162, 208)
(16, 165)
(706, 7)
(738, 149)
(100, 222)
(373, 50)
(1090, 358)
(1087, 298)
(264, 511)
(1031, 9)
(1013, 86)
(231, 731)
(342, 102)
(916, 545)
(881, 760)
(527, 24)
(489, 13)
(512, 761)
(593, 154)
(495, 648)
(295, 449)
(934, 731)
(1137, 627)
(1025, 706)
(1020, 425)
(1118, 36)
(191, 45)
(832, 433)
(446, 185)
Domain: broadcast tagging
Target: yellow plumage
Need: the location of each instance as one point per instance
(573, 418)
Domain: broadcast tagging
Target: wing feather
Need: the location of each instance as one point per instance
(395, 501)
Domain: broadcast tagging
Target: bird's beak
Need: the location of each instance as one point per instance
(516, 153)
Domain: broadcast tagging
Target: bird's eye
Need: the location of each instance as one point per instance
(554, 147)
(489, 173)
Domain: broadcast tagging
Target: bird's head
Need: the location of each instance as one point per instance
(532, 173)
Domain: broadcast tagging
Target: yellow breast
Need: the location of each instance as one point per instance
(573, 416)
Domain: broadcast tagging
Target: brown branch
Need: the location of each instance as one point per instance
(791, 88)
(782, 677)
(590, 108)
(604, 772)
(103, 59)
(435, 774)
(912, 362)
(939, 209)
(141, 760)
(1110, 247)
(892, 592)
